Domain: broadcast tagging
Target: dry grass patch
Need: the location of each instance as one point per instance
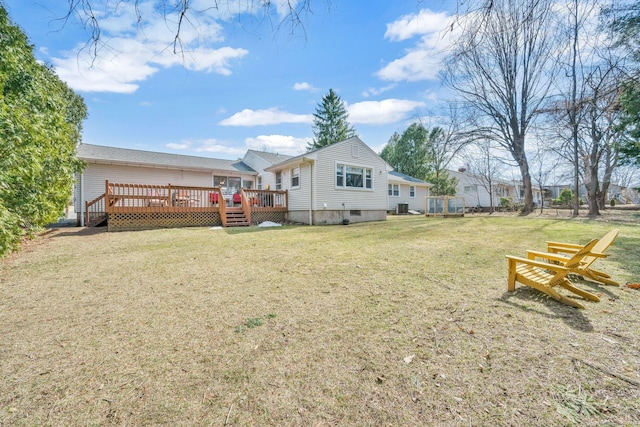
(403, 322)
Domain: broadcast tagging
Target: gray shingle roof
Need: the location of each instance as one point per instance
(272, 158)
(126, 156)
(407, 178)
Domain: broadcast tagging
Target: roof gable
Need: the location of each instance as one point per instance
(315, 153)
(272, 158)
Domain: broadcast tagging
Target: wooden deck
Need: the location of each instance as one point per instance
(136, 206)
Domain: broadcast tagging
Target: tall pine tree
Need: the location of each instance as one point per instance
(330, 122)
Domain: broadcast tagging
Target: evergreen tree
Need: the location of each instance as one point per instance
(330, 122)
(629, 146)
(40, 125)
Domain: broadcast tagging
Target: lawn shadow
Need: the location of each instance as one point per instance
(77, 231)
(573, 317)
(595, 287)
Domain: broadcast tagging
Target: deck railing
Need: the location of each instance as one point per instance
(140, 198)
(267, 200)
(94, 211)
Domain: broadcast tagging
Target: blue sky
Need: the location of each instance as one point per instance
(239, 83)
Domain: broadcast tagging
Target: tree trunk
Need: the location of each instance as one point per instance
(591, 185)
(611, 162)
(523, 164)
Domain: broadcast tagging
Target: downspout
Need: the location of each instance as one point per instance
(82, 205)
(310, 162)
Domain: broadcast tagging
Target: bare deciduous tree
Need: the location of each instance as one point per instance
(486, 167)
(502, 67)
(289, 15)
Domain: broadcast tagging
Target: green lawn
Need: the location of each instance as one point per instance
(403, 322)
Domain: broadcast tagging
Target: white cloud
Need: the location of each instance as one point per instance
(425, 22)
(130, 51)
(419, 64)
(271, 116)
(282, 144)
(211, 146)
(423, 61)
(304, 86)
(215, 146)
(372, 91)
(179, 146)
(382, 112)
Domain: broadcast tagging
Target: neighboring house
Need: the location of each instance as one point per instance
(406, 191)
(345, 181)
(475, 189)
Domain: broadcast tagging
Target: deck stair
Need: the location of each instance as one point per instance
(236, 218)
(97, 220)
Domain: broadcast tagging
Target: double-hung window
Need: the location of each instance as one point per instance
(356, 177)
(278, 180)
(412, 191)
(394, 190)
(295, 177)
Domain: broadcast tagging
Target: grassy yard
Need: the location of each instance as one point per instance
(403, 322)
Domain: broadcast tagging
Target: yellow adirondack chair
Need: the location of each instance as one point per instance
(544, 276)
(584, 269)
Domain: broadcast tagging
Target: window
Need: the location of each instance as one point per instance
(339, 175)
(247, 184)
(259, 183)
(412, 191)
(228, 184)
(394, 190)
(278, 180)
(469, 188)
(348, 176)
(295, 177)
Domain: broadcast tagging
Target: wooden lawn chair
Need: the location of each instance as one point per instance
(584, 269)
(545, 276)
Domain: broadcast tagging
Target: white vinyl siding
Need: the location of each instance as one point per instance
(327, 190)
(415, 202)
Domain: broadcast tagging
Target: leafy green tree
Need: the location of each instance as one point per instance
(406, 153)
(330, 122)
(40, 126)
(565, 197)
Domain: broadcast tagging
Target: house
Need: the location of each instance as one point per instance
(141, 189)
(340, 183)
(406, 193)
(475, 189)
